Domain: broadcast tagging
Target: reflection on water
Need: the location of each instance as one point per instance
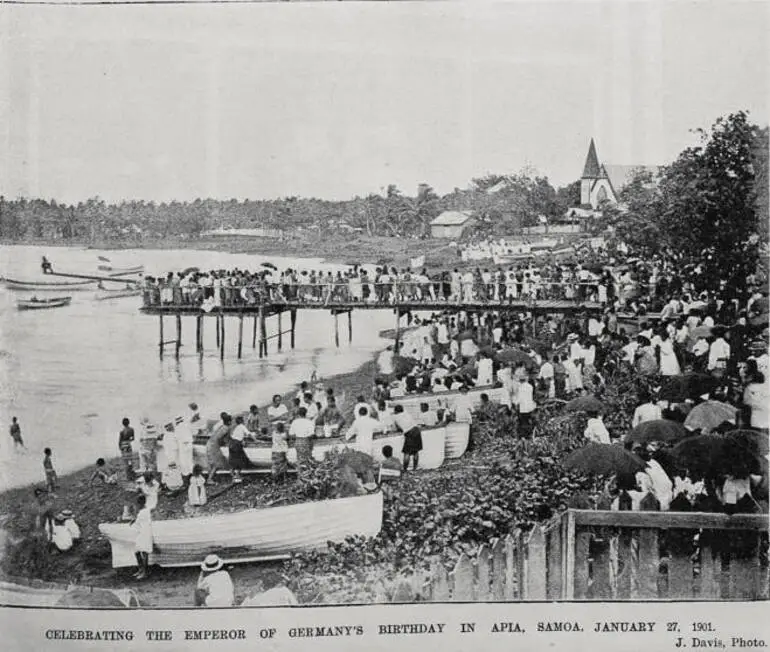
(70, 374)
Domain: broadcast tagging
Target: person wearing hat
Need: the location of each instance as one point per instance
(215, 586)
(70, 524)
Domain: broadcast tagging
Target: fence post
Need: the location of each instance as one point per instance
(462, 580)
(554, 560)
(498, 570)
(535, 560)
(482, 574)
(439, 583)
(510, 590)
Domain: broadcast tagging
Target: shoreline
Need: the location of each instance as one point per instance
(89, 562)
(341, 249)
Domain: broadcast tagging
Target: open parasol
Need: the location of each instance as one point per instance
(708, 415)
(584, 404)
(692, 385)
(713, 454)
(604, 459)
(515, 357)
(662, 430)
(270, 266)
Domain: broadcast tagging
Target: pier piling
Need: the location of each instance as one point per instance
(350, 326)
(293, 316)
(262, 333)
(280, 332)
(219, 336)
(254, 334)
(198, 321)
(160, 341)
(178, 336)
(240, 336)
(336, 330)
(222, 338)
(398, 332)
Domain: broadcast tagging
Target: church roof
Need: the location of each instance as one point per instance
(452, 218)
(591, 169)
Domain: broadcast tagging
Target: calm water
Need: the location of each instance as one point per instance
(70, 374)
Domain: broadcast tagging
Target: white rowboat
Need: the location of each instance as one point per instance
(448, 400)
(40, 304)
(45, 286)
(250, 535)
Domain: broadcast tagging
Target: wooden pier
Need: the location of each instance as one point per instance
(260, 313)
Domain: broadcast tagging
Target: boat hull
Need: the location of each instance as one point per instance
(28, 304)
(117, 294)
(251, 535)
(431, 457)
(42, 286)
(121, 271)
(412, 402)
(457, 438)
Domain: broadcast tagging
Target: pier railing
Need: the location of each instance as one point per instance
(432, 293)
(608, 555)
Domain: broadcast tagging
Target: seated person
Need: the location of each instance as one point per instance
(70, 524)
(390, 468)
(61, 537)
(103, 473)
(439, 386)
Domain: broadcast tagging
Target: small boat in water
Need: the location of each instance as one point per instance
(121, 271)
(38, 304)
(119, 293)
(45, 286)
(252, 534)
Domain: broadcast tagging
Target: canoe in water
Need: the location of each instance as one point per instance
(252, 534)
(45, 286)
(39, 304)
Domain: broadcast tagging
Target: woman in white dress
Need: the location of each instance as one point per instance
(669, 365)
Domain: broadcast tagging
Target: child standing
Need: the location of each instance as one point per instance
(50, 473)
(196, 493)
(143, 542)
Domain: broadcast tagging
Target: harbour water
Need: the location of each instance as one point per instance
(71, 374)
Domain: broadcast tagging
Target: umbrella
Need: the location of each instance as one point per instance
(657, 430)
(708, 415)
(190, 270)
(604, 459)
(753, 440)
(465, 335)
(515, 357)
(584, 404)
(270, 266)
(715, 454)
(679, 388)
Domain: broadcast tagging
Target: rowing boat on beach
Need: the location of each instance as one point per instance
(457, 437)
(412, 402)
(39, 304)
(432, 454)
(250, 535)
(45, 286)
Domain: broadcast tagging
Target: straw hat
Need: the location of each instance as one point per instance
(212, 563)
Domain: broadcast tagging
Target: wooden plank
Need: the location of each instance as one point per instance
(483, 593)
(582, 553)
(568, 556)
(710, 571)
(439, 584)
(627, 565)
(535, 559)
(498, 570)
(668, 520)
(648, 565)
(601, 586)
(745, 569)
(680, 577)
(554, 561)
(510, 591)
(461, 580)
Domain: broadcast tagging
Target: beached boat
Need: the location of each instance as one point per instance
(22, 592)
(431, 457)
(412, 402)
(45, 286)
(121, 271)
(39, 304)
(457, 438)
(252, 534)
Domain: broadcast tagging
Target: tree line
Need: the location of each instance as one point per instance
(502, 202)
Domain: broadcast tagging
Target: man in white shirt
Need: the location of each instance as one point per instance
(484, 374)
(385, 361)
(302, 430)
(215, 587)
(525, 402)
(719, 354)
(546, 375)
(363, 429)
(596, 431)
(277, 411)
(647, 411)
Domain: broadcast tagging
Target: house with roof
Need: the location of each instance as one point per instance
(451, 224)
(601, 183)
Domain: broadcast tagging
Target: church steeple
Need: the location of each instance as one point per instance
(591, 170)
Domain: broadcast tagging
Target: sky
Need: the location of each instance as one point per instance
(333, 100)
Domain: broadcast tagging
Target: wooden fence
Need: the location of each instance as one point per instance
(607, 555)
